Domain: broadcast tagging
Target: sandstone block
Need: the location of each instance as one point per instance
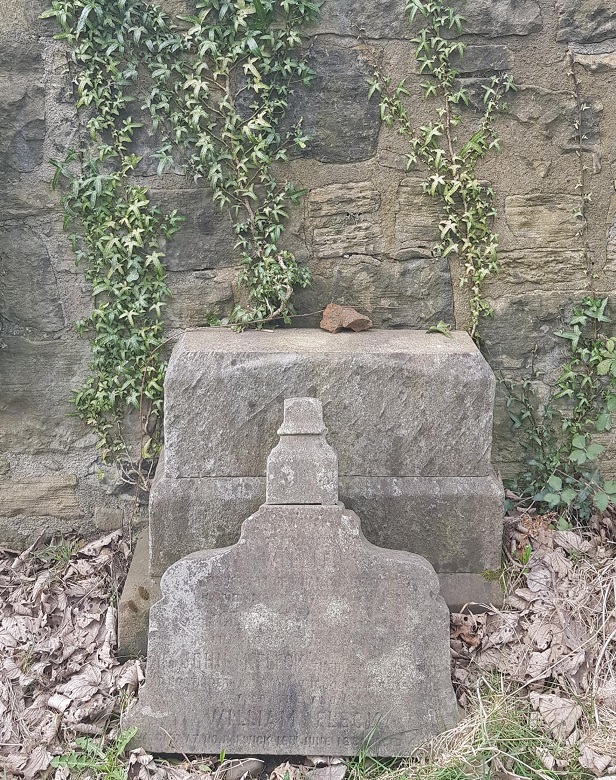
(520, 335)
(336, 318)
(342, 122)
(40, 497)
(454, 523)
(343, 219)
(552, 115)
(108, 518)
(377, 19)
(480, 58)
(300, 638)
(245, 650)
(536, 269)
(38, 379)
(414, 404)
(417, 221)
(28, 289)
(495, 18)
(302, 468)
(542, 220)
(187, 515)
(394, 293)
(590, 21)
(196, 294)
(205, 239)
(597, 57)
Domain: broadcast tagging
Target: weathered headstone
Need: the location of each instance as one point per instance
(301, 638)
(409, 415)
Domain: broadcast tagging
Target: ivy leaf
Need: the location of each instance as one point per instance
(441, 327)
(553, 499)
(604, 422)
(593, 451)
(601, 501)
(555, 482)
(83, 18)
(578, 456)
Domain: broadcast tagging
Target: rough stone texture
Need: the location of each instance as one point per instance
(417, 218)
(543, 220)
(372, 18)
(494, 18)
(414, 293)
(28, 289)
(597, 57)
(336, 318)
(244, 650)
(414, 453)
(344, 220)
(140, 591)
(342, 122)
(454, 523)
(37, 383)
(302, 468)
(586, 20)
(484, 58)
(533, 269)
(178, 524)
(417, 404)
(197, 294)
(459, 590)
(108, 519)
(205, 239)
(40, 497)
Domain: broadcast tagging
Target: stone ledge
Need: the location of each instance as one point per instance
(456, 523)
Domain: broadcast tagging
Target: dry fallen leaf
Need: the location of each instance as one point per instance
(593, 761)
(559, 715)
(334, 772)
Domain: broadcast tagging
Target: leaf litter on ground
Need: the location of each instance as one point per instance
(540, 673)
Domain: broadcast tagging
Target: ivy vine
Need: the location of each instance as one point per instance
(466, 229)
(216, 93)
(559, 435)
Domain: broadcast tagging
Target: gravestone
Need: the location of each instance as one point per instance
(409, 414)
(303, 637)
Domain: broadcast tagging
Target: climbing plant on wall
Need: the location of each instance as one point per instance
(466, 229)
(216, 92)
(559, 435)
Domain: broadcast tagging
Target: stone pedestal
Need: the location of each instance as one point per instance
(302, 638)
(409, 415)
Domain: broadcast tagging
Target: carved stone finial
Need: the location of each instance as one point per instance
(302, 468)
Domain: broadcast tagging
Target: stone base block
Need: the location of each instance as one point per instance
(454, 522)
(139, 593)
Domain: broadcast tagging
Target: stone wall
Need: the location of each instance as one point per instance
(364, 228)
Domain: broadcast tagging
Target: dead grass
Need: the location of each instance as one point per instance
(536, 678)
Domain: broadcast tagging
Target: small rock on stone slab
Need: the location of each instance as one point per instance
(336, 318)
